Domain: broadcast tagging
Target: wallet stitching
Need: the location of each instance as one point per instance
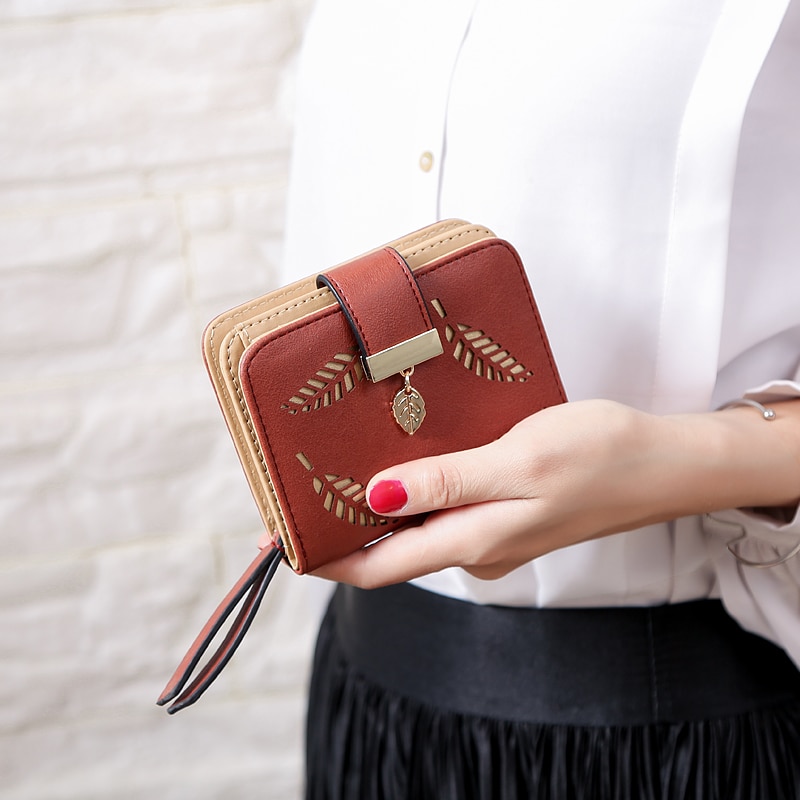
(250, 307)
(412, 284)
(425, 234)
(452, 238)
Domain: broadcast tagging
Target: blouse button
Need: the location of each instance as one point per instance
(426, 161)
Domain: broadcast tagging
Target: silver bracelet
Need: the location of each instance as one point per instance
(767, 413)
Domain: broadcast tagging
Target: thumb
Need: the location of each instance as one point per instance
(439, 482)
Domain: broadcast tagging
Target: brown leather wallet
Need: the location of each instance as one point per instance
(428, 345)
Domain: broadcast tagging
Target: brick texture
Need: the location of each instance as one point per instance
(144, 152)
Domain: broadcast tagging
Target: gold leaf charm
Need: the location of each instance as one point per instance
(408, 406)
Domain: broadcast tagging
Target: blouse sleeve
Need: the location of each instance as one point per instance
(764, 599)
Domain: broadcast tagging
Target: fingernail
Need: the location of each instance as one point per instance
(387, 497)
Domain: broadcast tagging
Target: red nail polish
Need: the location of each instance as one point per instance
(387, 497)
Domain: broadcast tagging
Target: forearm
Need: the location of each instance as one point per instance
(652, 469)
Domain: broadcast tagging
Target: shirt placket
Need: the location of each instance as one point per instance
(705, 167)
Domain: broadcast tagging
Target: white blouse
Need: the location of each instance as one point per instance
(644, 160)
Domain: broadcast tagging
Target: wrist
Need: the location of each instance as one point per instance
(743, 460)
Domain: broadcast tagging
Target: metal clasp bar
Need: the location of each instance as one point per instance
(402, 356)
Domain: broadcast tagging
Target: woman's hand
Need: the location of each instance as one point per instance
(567, 474)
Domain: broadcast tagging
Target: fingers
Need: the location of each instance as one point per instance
(480, 538)
(406, 554)
(447, 481)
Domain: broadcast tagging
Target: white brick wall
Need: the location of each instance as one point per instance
(143, 159)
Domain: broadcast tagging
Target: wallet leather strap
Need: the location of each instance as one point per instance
(386, 311)
(253, 583)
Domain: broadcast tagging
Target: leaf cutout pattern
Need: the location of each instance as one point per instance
(478, 352)
(409, 410)
(329, 384)
(343, 497)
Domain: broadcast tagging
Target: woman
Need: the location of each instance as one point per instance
(584, 617)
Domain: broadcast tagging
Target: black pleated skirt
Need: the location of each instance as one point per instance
(418, 696)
